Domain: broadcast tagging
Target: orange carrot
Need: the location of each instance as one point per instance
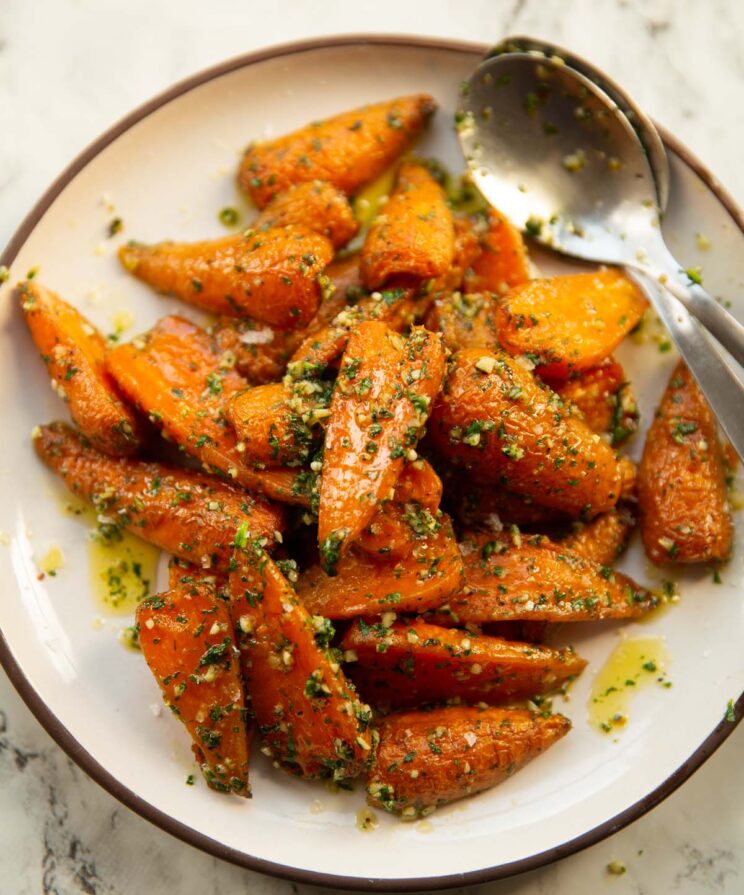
(502, 262)
(316, 206)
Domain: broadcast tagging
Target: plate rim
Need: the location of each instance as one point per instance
(164, 821)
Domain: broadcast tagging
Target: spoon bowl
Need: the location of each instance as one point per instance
(561, 159)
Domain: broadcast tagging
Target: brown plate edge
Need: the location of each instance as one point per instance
(96, 771)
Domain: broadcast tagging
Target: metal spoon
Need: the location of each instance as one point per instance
(641, 123)
(556, 155)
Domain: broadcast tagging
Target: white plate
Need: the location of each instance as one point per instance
(169, 169)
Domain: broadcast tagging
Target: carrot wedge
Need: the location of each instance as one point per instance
(395, 307)
(604, 397)
(391, 532)
(380, 403)
(262, 352)
(496, 421)
(186, 636)
(174, 374)
(187, 513)
(73, 351)
(272, 275)
(414, 236)
(429, 576)
(570, 323)
(465, 320)
(684, 511)
(428, 759)
(307, 713)
(502, 263)
(316, 206)
(272, 429)
(409, 664)
(604, 538)
(347, 150)
(521, 577)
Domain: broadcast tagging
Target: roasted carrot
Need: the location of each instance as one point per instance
(429, 576)
(272, 275)
(186, 636)
(409, 664)
(414, 236)
(502, 263)
(684, 511)
(347, 150)
(467, 249)
(395, 307)
(187, 513)
(262, 352)
(175, 375)
(73, 351)
(496, 421)
(427, 759)
(314, 205)
(274, 427)
(389, 533)
(475, 505)
(309, 718)
(514, 577)
(380, 403)
(604, 538)
(570, 323)
(604, 397)
(465, 320)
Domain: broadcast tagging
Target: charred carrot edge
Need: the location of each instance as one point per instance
(272, 275)
(682, 500)
(412, 663)
(428, 577)
(428, 759)
(309, 718)
(187, 513)
(519, 577)
(73, 351)
(415, 235)
(176, 377)
(347, 150)
(187, 639)
(364, 451)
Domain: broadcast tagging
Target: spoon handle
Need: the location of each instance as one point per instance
(722, 388)
(714, 317)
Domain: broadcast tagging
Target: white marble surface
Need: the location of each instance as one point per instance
(68, 69)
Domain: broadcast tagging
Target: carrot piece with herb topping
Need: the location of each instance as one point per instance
(175, 375)
(185, 512)
(316, 206)
(274, 427)
(308, 715)
(515, 577)
(262, 352)
(684, 511)
(496, 421)
(465, 320)
(347, 150)
(604, 538)
(272, 275)
(186, 636)
(503, 262)
(415, 234)
(427, 577)
(380, 403)
(571, 323)
(428, 759)
(408, 664)
(73, 351)
(604, 397)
